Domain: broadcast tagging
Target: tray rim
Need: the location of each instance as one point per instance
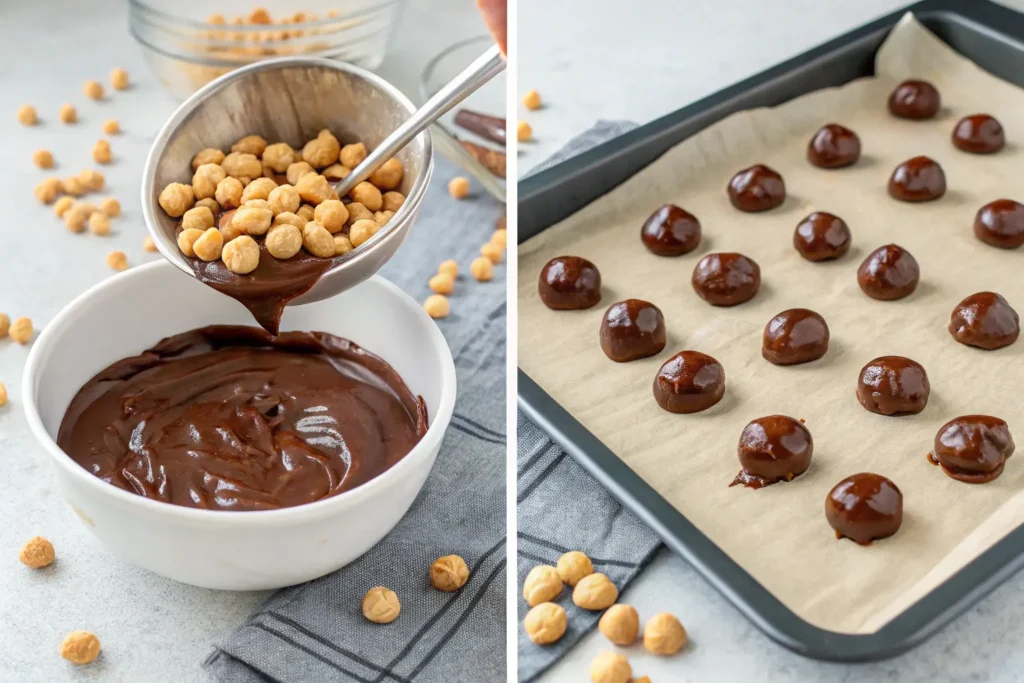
(917, 622)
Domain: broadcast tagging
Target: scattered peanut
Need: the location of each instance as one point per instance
(545, 623)
(459, 187)
(437, 306)
(111, 207)
(48, 190)
(250, 144)
(317, 239)
(368, 195)
(27, 115)
(207, 246)
(176, 199)
(523, 131)
(362, 230)
(3, 395)
(73, 186)
(380, 605)
(482, 268)
(500, 238)
(542, 584)
(21, 330)
(284, 241)
(37, 553)
(610, 667)
(111, 127)
(148, 244)
(322, 151)
(93, 90)
(531, 100)
(117, 260)
(389, 175)
(573, 566)
(99, 224)
(449, 267)
(491, 251)
(342, 245)
(119, 79)
(353, 155)
(209, 155)
(5, 325)
(92, 180)
(620, 624)
(80, 647)
(664, 635)
(101, 152)
(62, 206)
(75, 217)
(43, 158)
(442, 283)
(241, 255)
(68, 114)
(595, 592)
(449, 573)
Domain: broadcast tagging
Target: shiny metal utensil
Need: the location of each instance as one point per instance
(290, 100)
(483, 69)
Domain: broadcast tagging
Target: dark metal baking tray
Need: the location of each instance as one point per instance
(988, 34)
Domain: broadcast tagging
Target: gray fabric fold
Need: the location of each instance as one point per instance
(315, 632)
(560, 507)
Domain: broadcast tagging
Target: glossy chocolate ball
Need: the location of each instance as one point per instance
(670, 231)
(915, 100)
(689, 382)
(757, 188)
(569, 283)
(889, 273)
(773, 448)
(833, 146)
(632, 329)
(919, 179)
(864, 507)
(984, 320)
(893, 385)
(822, 237)
(973, 448)
(978, 134)
(1001, 224)
(794, 336)
(726, 279)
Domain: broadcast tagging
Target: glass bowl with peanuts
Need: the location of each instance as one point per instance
(278, 133)
(189, 43)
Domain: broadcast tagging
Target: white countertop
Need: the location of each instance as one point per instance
(592, 59)
(151, 629)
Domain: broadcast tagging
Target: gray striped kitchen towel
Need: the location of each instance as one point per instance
(315, 632)
(561, 507)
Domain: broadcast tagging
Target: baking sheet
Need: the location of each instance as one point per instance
(779, 534)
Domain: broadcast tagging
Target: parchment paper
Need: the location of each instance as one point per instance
(779, 534)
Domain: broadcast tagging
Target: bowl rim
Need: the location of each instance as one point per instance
(139, 5)
(62, 325)
(168, 247)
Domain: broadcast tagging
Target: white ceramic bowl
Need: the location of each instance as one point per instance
(130, 312)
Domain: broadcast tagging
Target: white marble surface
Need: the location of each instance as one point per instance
(152, 629)
(593, 59)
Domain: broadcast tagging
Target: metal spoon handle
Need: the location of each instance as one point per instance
(483, 69)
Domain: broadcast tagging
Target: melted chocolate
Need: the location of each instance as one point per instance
(972, 448)
(671, 231)
(757, 188)
(978, 134)
(268, 289)
(914, 100)
(919, 179)
(689, 382)
(569, 283)
(984, 320)
(632, 329)
(893, 385)
(229, 418)
(864, 507)
(774, 448)
(833, 146)
(889, 273)
(1001, 224)
(726, 279)
(795, 336)
(822, 237)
